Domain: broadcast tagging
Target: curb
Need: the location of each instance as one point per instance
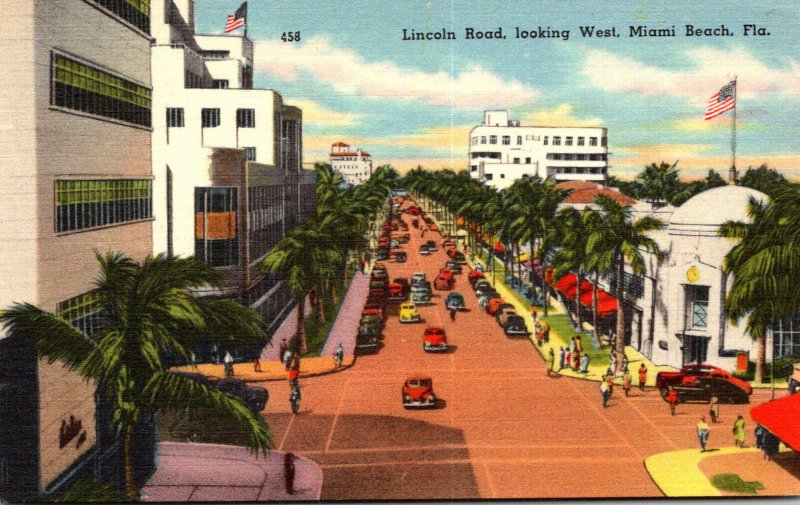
(677, 474)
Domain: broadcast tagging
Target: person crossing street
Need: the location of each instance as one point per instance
(294, 399)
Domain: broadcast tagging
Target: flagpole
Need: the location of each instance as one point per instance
(734, 175)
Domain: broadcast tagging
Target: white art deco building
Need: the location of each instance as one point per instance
(502, 151)
(355, 165)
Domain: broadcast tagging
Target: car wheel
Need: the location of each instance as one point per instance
(664, 392)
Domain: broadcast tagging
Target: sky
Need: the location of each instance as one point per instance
(414, 102)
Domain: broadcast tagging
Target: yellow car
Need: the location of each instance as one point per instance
(409, 314)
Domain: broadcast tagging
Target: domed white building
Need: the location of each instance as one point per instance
(676, 312)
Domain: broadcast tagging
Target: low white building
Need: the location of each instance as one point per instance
(227, 158)
(355, 165)
(502, 151)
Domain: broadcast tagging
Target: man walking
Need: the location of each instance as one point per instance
(551, 358)
(228, 364)
(738, 432)
(626, 382)
(702, 433)
(338, 356)
(453, 314)
(672, 398)
(605, 391)
(642, 376)
(562, 356)
(294, 399)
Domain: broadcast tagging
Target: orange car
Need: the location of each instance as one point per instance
(493, 306)
(417, 392)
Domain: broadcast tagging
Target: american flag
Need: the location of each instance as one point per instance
(236, 21)
(722, 102)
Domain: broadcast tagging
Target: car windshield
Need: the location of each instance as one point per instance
(419, 383)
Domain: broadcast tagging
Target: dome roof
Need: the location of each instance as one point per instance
(715, 206)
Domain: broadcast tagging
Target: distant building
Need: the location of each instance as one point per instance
(227, 159)
(355, 165)
(76, 178)
(502, 151)
(582, 194)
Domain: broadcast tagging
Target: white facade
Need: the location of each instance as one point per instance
(224, 156)
(676, 314)
(355, 165)
(501, 151)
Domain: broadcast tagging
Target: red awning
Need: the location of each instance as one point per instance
(782, 418)
(565, 281)
(606, 304)
(499, 247)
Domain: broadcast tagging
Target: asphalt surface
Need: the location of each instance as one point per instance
(502, 430)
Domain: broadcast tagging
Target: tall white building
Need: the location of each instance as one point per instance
(227, 158)
(502, 151)
(355, 165)
(75, 176)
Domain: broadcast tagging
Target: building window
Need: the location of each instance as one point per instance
(489, 177)
(175, 117)
(493, 139)
(786, 338)
(516, 161)
(220, 83)
(519, 140)
(697, 306)
(502, 176)
(557, 141)
(593, 141)
(473, 168)
(581, 140)
(87, 204)
(483, 139)
(246, 118)
(527, 161)
(84, 312)
(214, 54)
(250, 153)
(604, 141)
(506, 140)
(545, 140)
(87, 89)
(191, 80)
(216, 241)
(568, 141)
(210, 118)
(135, 12)
(581, 157)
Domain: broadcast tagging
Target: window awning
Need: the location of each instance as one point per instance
(568, 284)
(782, 418)
(499, 247)
(606, 303)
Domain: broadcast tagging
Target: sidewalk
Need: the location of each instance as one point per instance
(678, 474)
(344, 331)
(216, 473)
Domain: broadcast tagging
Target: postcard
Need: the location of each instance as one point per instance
(414, 250)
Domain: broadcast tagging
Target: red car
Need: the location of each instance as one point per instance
(417, 392)
(666, 379)
(474, 277)
(434, 340)
(443, 282)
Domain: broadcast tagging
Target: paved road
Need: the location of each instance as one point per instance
(505, 430)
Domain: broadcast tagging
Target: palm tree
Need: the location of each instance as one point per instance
(765, 264)
(151, 310)
(618, 241)
(660, 183)
(571, 253)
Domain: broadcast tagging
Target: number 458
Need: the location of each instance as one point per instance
(290, 36)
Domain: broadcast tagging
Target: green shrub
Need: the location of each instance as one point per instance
(732, 482)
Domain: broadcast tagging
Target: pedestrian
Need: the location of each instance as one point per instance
(282, 349)
(561, 357)
(363, 265)
(568, 359)
(714, 409)
(256, 364)
(572, 344)
(578, 343)
(534, 313)
(294, 374)
(453, 314)
(215, 354)
(551, 359)
(228, 364)
(338, 356)
(702, 433)
(546, 331)
(738, 432)
(624, 367)
(612, 363)
(626, 382)
(194, 361)
(605, 392)
(642, 376)
(576, 360)
(539, 332)
(288, 472)
(287, 359)
(672, 398)
(294, 399)
(584, 363)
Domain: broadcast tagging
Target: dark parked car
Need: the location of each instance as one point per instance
(382, 255)
(515, 326)
(400, 257)
(698, 389)
(423, 250)
(254, 397)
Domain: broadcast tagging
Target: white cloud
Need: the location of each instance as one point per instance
(709, 69)
(560, 115)
(350, 73)
(316, 113)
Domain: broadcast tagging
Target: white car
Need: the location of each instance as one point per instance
(418, 277)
